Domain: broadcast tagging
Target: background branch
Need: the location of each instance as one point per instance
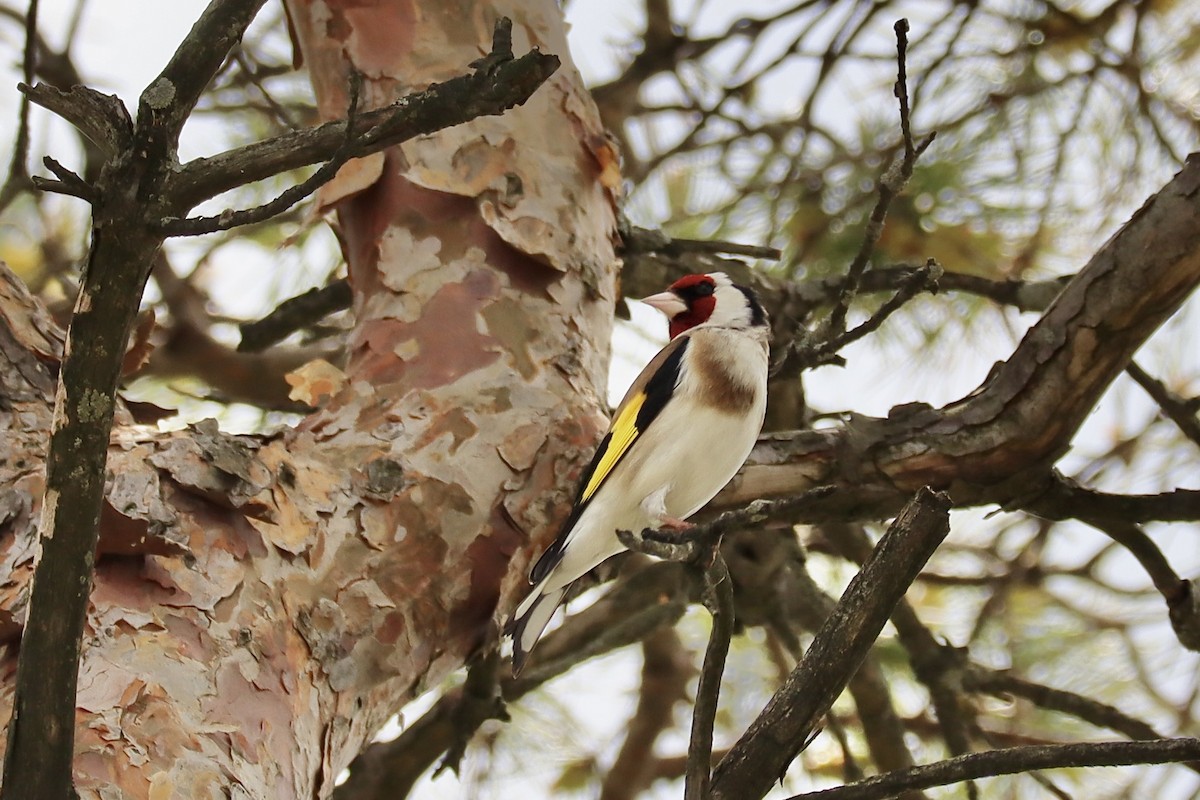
(506, 84)
(1012, 760)
(718, 598)
(18, 172)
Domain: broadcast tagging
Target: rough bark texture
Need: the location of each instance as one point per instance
(996, 445)
(268, 602)
(786, 725)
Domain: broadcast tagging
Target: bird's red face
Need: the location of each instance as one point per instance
(688, 302)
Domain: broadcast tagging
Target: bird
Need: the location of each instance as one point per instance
(683, 430)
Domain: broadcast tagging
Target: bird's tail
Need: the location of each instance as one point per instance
(530, 620)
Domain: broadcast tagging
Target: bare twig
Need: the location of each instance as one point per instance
(293, 314)
(68, 182)
(688, 545)
(648, 600)
(645, 240)
(700, 547)
(890, 185)
(1117, 516)
(696, 545)
(1147, 553)
(718, 598)
(18, 172)
(1091, 711)
(229, 218)
(1063, 498)
(923, 279)
(102, 119)
(480, 701)
(442, 105)
(1175, 408)
(802, 350)
(900, 90)
(254, 78)
(938, 666)
(773, 587)
(1013, 760)
(1179, 594)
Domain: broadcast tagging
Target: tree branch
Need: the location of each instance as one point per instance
(483, 92)
(40, 749)
(137, 189)
(1063, 498)
(167, 102)
(936, 665)
(773, 588)
(718, 598)
(102, 118)
(784, 727)
(293, 314)
(996, 444)
(637, 240)
(1013, 760)
(800, 351)
(922, 279)
(479, 701)
(1175, 408)
(18, 171)
(1091, 711)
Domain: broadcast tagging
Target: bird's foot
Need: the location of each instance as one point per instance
(671, 531)
(668, 542)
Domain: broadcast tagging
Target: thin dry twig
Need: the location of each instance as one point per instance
(1094, 712)
(666, 668)
(1063, 498)
(1011, 760)
(294, 314)
(890, 185)
(718, 599)
(923, 279)
(228, 219)
(646, 240)
(938, 666)
(18, 179)
(496, 77)
(805, 350)
(688, 545)
(1180, 411)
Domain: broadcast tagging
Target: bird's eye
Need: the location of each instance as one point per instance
(704, 290)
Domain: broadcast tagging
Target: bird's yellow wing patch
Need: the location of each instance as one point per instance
(621, 436)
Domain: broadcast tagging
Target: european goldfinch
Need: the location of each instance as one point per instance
(682, 431)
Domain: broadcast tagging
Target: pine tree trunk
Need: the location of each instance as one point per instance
(263, 604)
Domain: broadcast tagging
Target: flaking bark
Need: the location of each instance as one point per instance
(278, 598)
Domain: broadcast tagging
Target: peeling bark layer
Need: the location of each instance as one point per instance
(263, 604)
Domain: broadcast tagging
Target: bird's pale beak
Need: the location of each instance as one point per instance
(666, 302)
